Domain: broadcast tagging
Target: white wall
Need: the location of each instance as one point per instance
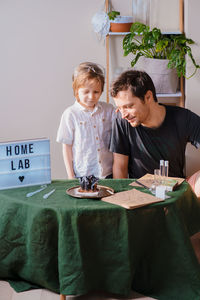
(192, 85)
(41, 43)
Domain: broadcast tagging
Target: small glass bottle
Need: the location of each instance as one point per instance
(162, 169)
(166, 168)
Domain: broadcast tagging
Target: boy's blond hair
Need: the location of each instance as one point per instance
(87, 71)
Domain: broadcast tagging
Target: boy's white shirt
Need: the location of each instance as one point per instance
(89, 134)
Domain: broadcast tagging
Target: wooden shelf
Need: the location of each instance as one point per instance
(180, 94)
(118, 33)
(125, 33)
(175, 95)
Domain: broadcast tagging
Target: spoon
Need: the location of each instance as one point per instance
(37, 191)
(49, 194)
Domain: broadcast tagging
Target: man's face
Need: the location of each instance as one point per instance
(132, 109)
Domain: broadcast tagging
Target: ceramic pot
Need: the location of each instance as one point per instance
(165, 79)
(121, 24)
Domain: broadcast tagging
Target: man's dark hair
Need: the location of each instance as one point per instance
(138, 82)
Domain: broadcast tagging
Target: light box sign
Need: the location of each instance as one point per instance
(24, 163)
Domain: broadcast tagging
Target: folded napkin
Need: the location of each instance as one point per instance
(148, 180)
(131, 199)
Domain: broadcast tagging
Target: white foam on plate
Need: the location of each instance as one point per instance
(85, 193)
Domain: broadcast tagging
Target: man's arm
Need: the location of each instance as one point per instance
(68, 160)
(120, 165)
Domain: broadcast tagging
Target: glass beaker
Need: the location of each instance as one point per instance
(156, 180)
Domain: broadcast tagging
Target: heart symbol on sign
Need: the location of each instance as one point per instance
(21, 178)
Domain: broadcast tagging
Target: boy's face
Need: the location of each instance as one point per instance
(89, 94)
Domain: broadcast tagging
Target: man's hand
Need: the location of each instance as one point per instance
(120, 165)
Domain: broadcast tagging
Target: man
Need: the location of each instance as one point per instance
(144, 132)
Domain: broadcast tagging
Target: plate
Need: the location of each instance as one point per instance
(104, 191)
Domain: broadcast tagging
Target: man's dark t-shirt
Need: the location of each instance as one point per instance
(146, 146)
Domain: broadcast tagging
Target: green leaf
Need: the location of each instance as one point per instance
(134, 61)
(139, 28)
(113, 14)
(141, 41)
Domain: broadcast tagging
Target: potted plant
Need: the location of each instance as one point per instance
(119, 23)
(103, 22)
(167, 51)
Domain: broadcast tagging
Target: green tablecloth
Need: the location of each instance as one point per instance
(74, 246)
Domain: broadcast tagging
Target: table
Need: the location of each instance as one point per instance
(73, 246)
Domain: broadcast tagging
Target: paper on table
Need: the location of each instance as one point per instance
(131, 199)
(149, 178)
